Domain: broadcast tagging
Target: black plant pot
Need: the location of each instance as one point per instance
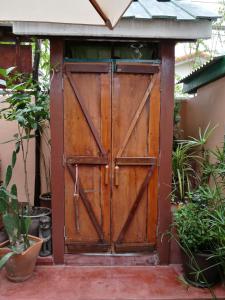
(201, 261)
(46, 200)
(35, 214)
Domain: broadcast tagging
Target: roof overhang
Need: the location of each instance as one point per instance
(155, 19)
(88, 12)
(126, 28)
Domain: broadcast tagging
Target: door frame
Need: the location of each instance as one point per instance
(165, 158)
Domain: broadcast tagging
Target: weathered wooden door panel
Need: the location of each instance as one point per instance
(123, 198)
(111, 137)
(87, 141)
(135, 128)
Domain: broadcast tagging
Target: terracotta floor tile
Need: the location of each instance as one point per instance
(103, 283)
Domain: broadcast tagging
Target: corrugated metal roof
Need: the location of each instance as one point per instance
(201, 68)
(208, 72)
(174, 9)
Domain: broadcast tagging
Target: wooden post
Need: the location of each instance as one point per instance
(57, 134)
(166, 142)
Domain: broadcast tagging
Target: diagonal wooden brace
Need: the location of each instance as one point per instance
(86, 114)
(137, 114)
(87, 205)
(135, 205)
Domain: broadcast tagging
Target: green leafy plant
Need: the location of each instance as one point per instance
(41, 75)
(19, 105)
(193, 227)
(197, 230)
(183, 172)
(217, 224)
(190, 160)
(15, 222)
(204, 195)
(206, 199)
(199, 221)
(202, 137)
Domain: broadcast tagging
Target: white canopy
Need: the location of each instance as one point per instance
(63, 11)
(111, 11)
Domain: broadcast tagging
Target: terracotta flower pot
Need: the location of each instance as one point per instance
(21, 266)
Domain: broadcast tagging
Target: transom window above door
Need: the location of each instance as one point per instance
(111, 50)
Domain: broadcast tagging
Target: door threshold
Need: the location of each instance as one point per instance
(115, 254)
(111, 259)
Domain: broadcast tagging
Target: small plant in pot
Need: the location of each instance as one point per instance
(197, 241)
(19, 253)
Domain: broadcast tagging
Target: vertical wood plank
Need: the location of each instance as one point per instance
(57, 169)
(154, 121)
(166, 140)
(105, 80)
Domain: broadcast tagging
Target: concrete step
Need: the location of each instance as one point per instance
(112, 259)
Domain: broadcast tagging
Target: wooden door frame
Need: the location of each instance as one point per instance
(57, 149)
(57, 140)
(167, 53)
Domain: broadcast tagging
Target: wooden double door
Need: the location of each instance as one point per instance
(111, 148)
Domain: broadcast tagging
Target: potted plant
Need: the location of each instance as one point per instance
(19, 253)
(217, 220)
(197, 242)
(30, 115)
(198, 184)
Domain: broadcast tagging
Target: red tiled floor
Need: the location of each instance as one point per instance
(92, 283)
